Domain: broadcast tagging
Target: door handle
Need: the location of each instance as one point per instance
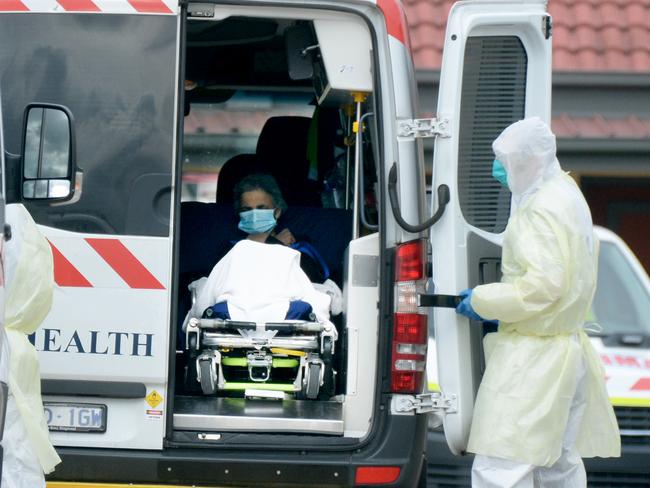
(446, 301)
(443, 200)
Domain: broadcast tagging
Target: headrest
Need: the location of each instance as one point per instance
(282, 147)
(233, 171)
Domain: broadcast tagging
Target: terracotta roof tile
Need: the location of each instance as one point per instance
(599, 127)
(588, 35)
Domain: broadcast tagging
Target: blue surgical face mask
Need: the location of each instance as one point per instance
(499, 173)
(257, 221)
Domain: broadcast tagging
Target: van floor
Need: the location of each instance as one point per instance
(199, 413)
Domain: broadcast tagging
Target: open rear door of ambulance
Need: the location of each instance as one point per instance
(90, 96)
(496, 70)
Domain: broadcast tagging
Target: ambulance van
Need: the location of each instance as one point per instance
(111, 105)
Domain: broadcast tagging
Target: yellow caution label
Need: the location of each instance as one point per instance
(154, 398)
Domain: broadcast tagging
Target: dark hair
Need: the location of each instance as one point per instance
(259, 181)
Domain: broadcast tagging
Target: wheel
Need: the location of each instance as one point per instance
(208, 377)
(191, 343)
(328, 347)
(328, 389)
(313, 380)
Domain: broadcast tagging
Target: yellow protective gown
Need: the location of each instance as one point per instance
(549, 266)
(29, 286)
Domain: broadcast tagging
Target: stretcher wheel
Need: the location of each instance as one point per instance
(208, 377)
(313, 381)
(328, 347)
(191, 343)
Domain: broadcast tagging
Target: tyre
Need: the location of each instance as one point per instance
(208, 377)
(313, 381)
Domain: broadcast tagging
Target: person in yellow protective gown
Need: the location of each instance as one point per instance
(542, 402)
(28, 453)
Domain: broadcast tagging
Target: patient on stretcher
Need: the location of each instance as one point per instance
(258, 282)
(258, 323)
(241, 333)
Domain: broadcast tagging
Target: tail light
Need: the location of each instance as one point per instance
(409, 347)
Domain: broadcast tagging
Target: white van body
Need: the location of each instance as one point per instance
(150, 87)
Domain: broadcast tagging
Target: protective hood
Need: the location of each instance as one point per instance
(527, 151)
(29, 288)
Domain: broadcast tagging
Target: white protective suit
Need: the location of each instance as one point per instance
(258, 281)
(29, 285)
(543, 393)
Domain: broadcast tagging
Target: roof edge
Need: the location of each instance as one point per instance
(603, 145)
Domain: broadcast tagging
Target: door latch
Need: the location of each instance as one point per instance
(423, 403)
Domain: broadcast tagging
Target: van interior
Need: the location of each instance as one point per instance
(262, 96)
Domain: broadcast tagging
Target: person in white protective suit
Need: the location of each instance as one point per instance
(29, 282)
(542, 403)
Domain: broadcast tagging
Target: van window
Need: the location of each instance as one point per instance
(116, 75)
(621, 303)
(215, 133)
(494, 96)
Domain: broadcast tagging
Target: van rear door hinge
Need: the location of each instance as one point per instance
(423, 403)
(419, 128)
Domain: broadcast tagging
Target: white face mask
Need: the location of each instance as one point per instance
(257, 220)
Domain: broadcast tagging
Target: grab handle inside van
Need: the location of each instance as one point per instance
(443, 200)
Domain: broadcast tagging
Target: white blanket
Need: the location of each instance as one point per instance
(258, 281)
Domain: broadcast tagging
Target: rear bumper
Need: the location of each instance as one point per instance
(402, 445)
(631, 470)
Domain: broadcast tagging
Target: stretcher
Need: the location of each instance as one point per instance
(262, 360)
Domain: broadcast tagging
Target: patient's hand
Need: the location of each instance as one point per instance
(285, 237)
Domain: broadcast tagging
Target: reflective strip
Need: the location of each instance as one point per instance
(434, 386)
(79, 5)
(65, 274)
(150, 6)
(125, 264)
(95, 6)
(13, 6)
(99, 263)
(630, 402)
(395, 18)
(642, 384)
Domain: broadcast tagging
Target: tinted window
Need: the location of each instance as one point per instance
(621, 303)
(116, 74)
(494, 96)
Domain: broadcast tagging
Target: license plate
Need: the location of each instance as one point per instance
(75, 417)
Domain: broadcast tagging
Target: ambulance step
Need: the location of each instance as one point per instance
(246, 415)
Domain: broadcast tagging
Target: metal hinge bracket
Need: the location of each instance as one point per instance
(419, 128)
(423, 403)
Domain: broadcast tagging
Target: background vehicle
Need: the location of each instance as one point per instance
(619, 327)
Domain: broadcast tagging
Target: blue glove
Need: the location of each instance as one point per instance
(465, 306)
